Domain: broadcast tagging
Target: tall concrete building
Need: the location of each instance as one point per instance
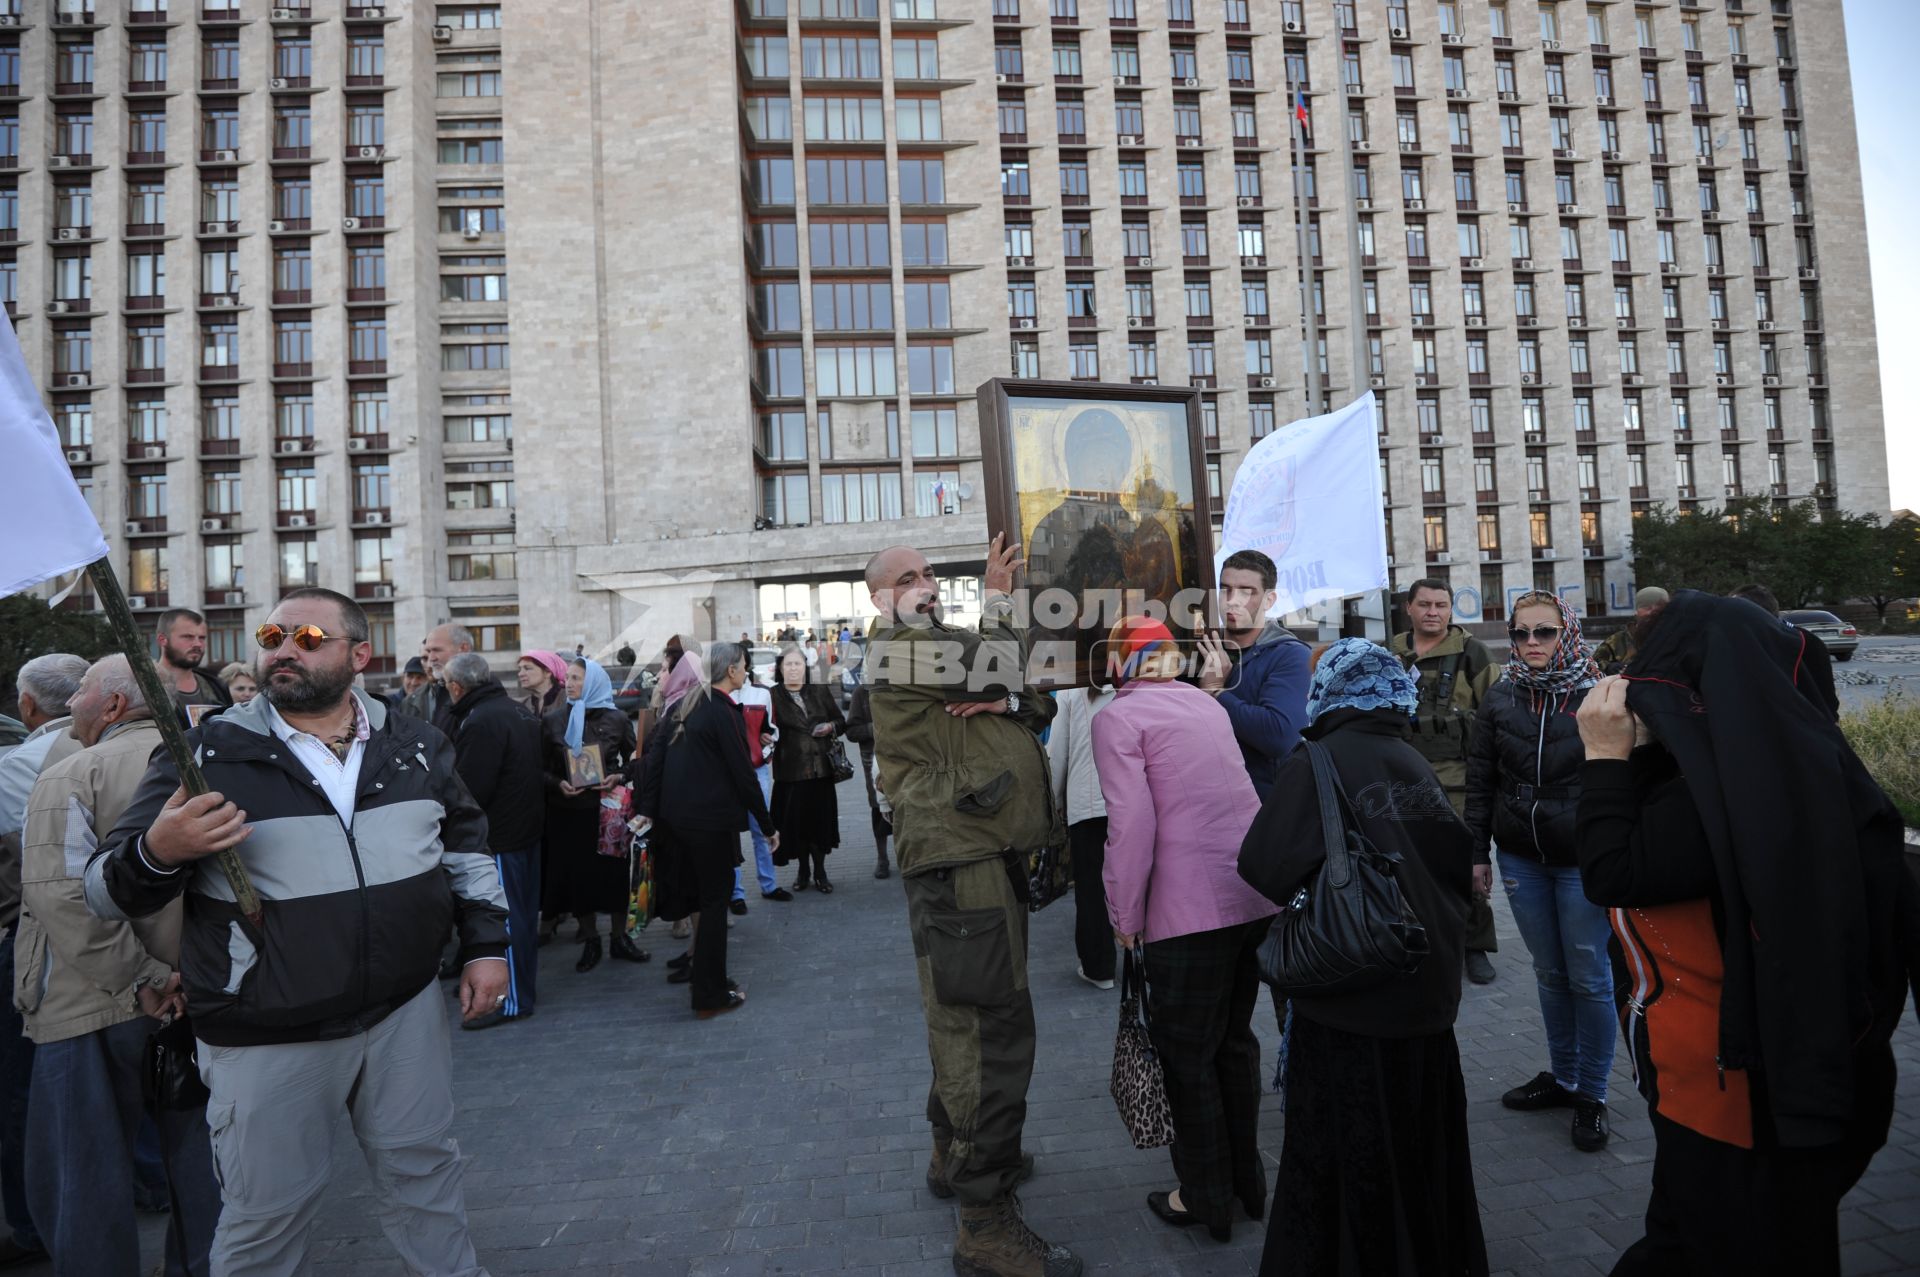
(762, 253)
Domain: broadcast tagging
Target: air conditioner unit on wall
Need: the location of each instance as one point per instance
(297, 521)
(1266, 383)
(78, 454)
(213, 524)
(134, 527)
(376, 517)
(441, 35)
(226, 157)
(236, 598)
(136, 601)
(291, 446)
(349, 223)
(277, 82)
(383, 591)
(356, 443)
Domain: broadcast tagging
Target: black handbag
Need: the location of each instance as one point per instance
(1348, 927)
(837, 759)
(169, 1072)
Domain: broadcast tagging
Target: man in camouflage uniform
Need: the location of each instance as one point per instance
(1454, 671)
(956, 731)
(1612, 656)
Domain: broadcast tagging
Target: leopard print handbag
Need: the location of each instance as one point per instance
(1139, 1082)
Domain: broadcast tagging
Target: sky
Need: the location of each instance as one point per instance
(1881, 37)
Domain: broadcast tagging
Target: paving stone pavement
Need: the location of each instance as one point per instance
(612, 1133)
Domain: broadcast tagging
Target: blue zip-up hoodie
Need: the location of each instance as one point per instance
(1268, 703)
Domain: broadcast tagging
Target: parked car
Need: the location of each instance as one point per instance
(12, 733)
(1842, 639)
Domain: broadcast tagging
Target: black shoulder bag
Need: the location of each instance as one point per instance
(1348, 927)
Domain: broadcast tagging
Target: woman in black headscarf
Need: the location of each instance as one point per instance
(1764, 922)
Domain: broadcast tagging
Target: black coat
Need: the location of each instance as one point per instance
(611, 730)
(697, 773)
(1819, 912)
(800, 755)
(1523, 774)
(496, 747)
(1402, 808)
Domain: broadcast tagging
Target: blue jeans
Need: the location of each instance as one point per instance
(1567, 936)
(762, 853)
(80, 1174)
(16, 1079)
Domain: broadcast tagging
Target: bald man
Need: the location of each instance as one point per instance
(957, 734)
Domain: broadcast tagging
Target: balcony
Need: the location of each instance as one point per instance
(219, 372)
(366, 368)
(147, 526)
(146, 449)
(291, 297)
(146, 376)
(292, 371)
(146, 17)
(295, 519)
(221, 596)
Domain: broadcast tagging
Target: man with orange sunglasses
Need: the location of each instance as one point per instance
(366, 850)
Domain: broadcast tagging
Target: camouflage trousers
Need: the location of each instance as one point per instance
(969, 926)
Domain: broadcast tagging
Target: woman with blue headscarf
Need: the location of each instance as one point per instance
(1375, 1174)
(583, 882)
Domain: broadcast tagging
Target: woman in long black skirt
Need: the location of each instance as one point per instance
(583, 882)
(805, 808)
(1375, 1175)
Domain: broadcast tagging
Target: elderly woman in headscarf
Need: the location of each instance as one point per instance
(1766, 924)
(1178, 804)
(543, 677)
(675, 891)
(583, 882)
(1523, 784)
(699, 789)
(1375, 1175)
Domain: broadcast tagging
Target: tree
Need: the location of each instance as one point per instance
(1895, 566)
(1801, 554)
(29, 628)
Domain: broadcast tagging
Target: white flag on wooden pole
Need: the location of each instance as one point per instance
(46, 527)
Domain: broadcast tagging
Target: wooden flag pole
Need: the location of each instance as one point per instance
(160, 700)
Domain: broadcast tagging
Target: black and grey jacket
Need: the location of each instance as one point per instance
(355, 916)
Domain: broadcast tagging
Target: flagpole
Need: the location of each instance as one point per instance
(1298, 130)
(1362, 349)
(160, 701)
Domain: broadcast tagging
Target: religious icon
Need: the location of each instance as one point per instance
(1100, 486)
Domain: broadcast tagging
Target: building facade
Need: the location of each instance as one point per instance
(1608, 255)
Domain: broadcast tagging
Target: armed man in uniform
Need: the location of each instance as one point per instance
(957, 733)
(1454, 671)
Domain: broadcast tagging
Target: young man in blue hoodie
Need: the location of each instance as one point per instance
(1267, 701)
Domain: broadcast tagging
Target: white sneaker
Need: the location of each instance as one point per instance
(1081, 971)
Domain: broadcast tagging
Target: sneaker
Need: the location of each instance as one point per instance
(1479, 967)
(739, 908)
(1541, 1093)
(1081, 971)
(1590, 1128)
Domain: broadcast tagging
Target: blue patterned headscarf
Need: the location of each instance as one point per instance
(596, 692)
(1357, 674)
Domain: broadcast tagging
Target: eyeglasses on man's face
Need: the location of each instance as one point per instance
(308, 638)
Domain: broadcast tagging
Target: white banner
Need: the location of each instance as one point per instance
(46, 527)
(1308, 497)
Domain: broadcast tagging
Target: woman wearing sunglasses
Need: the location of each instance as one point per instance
(1523, 785)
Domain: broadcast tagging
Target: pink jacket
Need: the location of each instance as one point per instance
(1178, 805)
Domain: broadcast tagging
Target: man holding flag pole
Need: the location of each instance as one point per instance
(295, 1022)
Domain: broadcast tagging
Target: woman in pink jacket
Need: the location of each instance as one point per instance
(1178, 806)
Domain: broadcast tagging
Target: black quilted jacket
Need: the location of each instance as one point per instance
(1523, 773)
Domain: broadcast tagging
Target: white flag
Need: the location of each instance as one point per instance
(1308, 497)
(46, 527)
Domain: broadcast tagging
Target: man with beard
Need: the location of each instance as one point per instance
(366, 849)
(956, 730)
(182, 638)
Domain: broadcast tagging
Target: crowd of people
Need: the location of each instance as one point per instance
(204, 982)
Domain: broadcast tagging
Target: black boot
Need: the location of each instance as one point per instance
(589, 954)
(805, 876)
(623, 947)
(820, 883)
(881, 870)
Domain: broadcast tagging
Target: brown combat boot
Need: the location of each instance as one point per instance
(941, 1187)
(994, 1241)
